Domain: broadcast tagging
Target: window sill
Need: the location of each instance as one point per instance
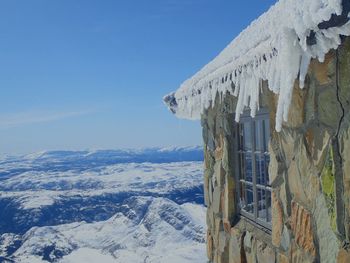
(261, 233)
(255, 224)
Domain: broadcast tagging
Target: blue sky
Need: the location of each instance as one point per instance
(91, 74)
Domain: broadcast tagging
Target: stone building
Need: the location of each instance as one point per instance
(275, 111)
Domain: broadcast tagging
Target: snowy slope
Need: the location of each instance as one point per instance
(61, 161)
(34, 189)
(102, 209)
(150, 230)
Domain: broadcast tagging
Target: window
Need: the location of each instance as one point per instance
(253, 159)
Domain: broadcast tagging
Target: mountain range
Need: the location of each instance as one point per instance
(103, 206)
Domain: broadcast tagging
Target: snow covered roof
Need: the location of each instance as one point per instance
(276, 47)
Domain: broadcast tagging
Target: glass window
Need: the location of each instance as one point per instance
(254, 158)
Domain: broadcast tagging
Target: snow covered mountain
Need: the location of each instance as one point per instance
(146, 206)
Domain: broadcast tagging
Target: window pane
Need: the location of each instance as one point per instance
(248, 167)
(259, 135)
(261, 199)
(260, 169)
(267, 161)
(266, 123)
(247, 198)
(242, 195)
(240, 137)
(241, 166)
(246, 173)
(247, 136)
(255, 198)
(268, 204)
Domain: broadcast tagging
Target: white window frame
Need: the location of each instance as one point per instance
(265, 186)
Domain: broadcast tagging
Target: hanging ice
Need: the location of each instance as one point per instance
(276, 47)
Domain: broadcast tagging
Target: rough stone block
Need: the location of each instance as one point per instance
(296, 110)
(229, 199)
(302, 228)
(206, 191)
(298, 255)
(329, 110)
(219, 174)
(227, 225)
(317, 140)
(343, 256)
(285, 240)
(210, 218)
(210, 191)
(277, 220)
(302, 176)
(219, 150)
(264, 253)
(344, 77)
(235, 250)
(287, 143)
(328, 187)
(327, 241)
(248, 238)
(282, 258)
(323, 72)
(295, 183)
(345, 151)
(216, 200)
(223, 241)
(209, 245)
(218, 227)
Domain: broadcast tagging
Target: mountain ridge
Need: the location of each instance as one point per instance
(48, 200)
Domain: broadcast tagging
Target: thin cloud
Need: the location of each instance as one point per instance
(12, 120)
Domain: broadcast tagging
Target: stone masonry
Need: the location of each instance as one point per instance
(309, 171)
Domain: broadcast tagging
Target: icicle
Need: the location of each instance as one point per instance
(273, 48)
(304, 66)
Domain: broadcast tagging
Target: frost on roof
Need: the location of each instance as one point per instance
(276, 47)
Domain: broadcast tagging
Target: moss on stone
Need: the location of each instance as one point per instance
(328, 187)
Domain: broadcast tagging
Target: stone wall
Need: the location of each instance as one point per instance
(309, 171)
